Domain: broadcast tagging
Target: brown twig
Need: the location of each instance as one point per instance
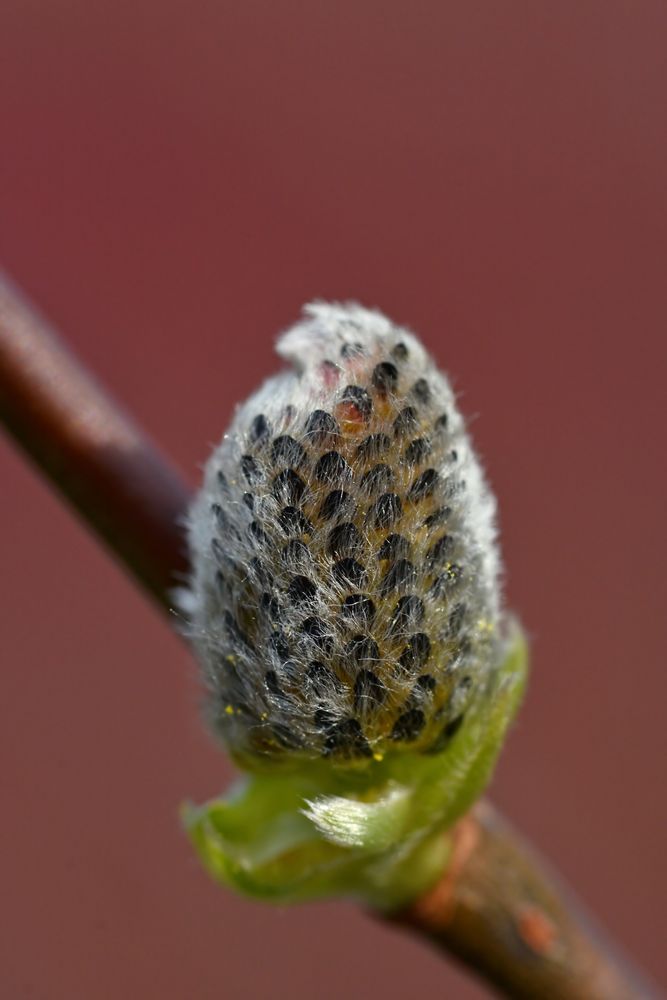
(501, 912)
(496, 908)
(116, 478)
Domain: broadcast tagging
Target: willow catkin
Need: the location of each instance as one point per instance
(345, 597)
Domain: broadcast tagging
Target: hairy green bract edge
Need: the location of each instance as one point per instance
(375, 834)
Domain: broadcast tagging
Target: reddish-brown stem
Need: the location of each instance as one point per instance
(93, 453)
(501, 912)
(497, 908)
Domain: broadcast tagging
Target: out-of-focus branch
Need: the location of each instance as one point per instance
(93, 453)
(496, 907)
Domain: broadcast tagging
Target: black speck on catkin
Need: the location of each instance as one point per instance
(344, 598)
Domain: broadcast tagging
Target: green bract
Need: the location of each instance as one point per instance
(375, 832)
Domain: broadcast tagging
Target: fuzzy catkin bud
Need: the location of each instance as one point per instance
(345, 597)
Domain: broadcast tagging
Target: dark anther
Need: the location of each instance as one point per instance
(441, 422)
(456, 620)
(408, 613)
(258, 533)
(399, 576)
(385, 376)
(259, 429)
(406, 422)
(373, 446)
(222, 482)
(249, 500)
(400, 352)
(344, 539)
(386, 510)
(250, 469)
(320, 425)
(425, 683)
(288, 488)
(347, 739)
(446, 734)
(349, 573)
(424, 485)
(270, 606)
(409, 725)
(301, 589)
(394, 547)
(323, 718)
(452, 728)
(417, 451)
(259, 572)
(351, 350)
(293, 522)
(362, 648)
(224, 524)
(280, 646)
(369, 691)
(359, 609)
(359, 398)
(438, 552)
(454, 487)
(295, 555)
(272, 685)
(421, 390)
(287, 451)
(221, 583)
(438, 516)
(446, 581)
(464, 647)
(234, 632)
(376, 479)
(335, 504)
(331, 468)
(417, 652)
(323, 683)
(318, 631)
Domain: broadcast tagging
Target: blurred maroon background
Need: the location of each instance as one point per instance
(175, 180)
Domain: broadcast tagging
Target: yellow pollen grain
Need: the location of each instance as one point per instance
(229, 709)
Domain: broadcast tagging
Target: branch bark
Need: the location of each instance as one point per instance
(91, 451)
(501, 911)
(497, 908)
